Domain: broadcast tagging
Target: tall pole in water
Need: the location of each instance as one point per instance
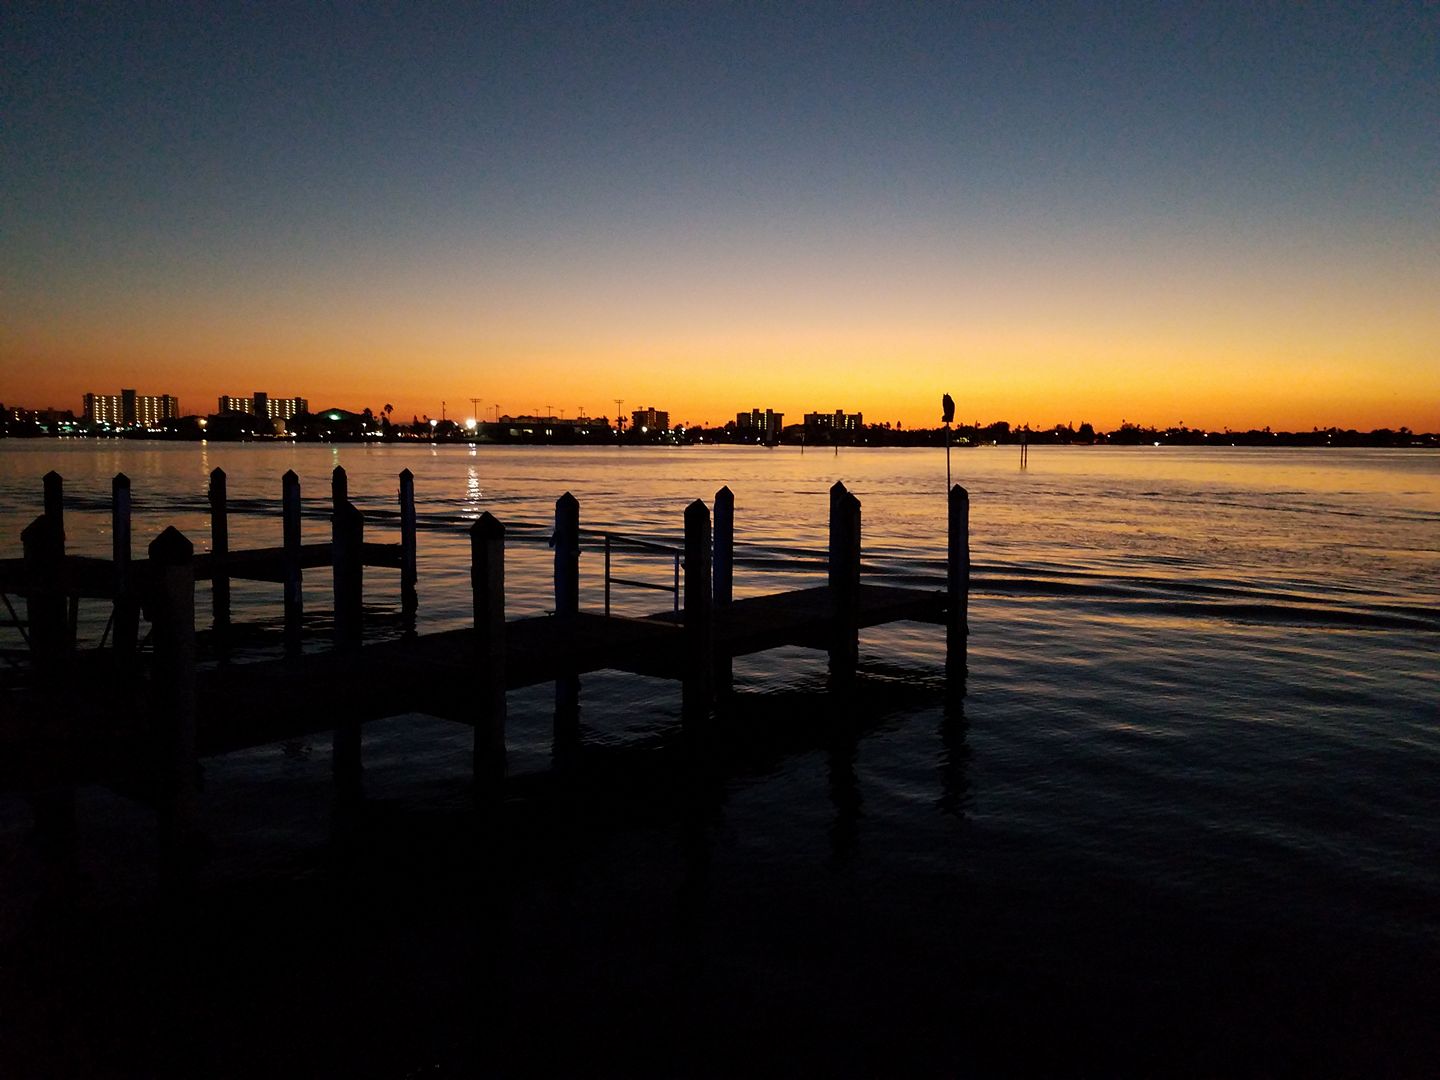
(947, 413)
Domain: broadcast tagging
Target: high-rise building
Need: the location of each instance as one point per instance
(287, 407)
(129, 409)
(650, 418)
(764, 425)
(103, 409)
(264, 406)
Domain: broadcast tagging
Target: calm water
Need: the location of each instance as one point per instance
(1188, 818)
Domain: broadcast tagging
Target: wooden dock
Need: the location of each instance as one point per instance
(152, 712)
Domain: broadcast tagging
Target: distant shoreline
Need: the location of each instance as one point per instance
(1277, 440)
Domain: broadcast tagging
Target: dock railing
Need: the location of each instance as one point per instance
(617, 540)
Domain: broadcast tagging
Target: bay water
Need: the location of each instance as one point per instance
(1187, 819)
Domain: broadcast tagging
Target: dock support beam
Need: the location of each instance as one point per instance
(409, 573)
(487, 582)
(699, 685)
(172, 616)
(957, 591)
(723, 569)
(844, 584)
(125, 633)
(294, 589)
(567, 605)
(219, 550)
(348, 537)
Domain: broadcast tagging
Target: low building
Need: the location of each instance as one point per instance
(839, 420)
(650, 419)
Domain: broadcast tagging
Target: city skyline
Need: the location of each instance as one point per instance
(1220, 215)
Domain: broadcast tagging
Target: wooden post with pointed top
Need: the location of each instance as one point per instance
(957, 590)
(723, 569)
(294, 589)
(844, 584)
(171, 609)
(219, 554)
(567, 606)
(487, 583)
(409, 575)
(348, 539)
(698, 686)
(126, 631)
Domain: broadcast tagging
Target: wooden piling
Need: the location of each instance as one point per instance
(55, 511)
(43, 542)
(53, 798)
(219, 550)
(339, 488)
(294, 589)
(348, 539)
(171, 608)
(698, 686)
(409, 574)
(567, 605)
(487, 583)
(844, 584)
(55, 500)
(125, 632)
(723, 569)
(957, 590)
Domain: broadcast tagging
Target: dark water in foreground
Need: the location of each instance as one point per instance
(1187, 820)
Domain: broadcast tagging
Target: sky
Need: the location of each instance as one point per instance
(1221, 214)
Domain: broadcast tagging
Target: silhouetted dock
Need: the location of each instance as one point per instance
(148, 709)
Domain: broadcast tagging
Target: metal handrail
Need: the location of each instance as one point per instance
(649, 545)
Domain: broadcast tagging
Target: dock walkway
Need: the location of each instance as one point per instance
(156, 710)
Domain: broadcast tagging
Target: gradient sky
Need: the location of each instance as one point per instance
(1222, 214)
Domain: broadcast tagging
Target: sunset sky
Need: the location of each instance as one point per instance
(1222, 214)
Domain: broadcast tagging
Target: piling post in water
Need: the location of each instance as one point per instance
(126, 610)
(171, 608)
(55, 511)
(43, 542)
(844, 584)
(487, 582)
(698, 686)
(348, 539)
(294, 589)
(723, 569)
(409, 575)
(55, 500)
(219, 553)
(339, 488)
(957, 591)
(567, 607)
